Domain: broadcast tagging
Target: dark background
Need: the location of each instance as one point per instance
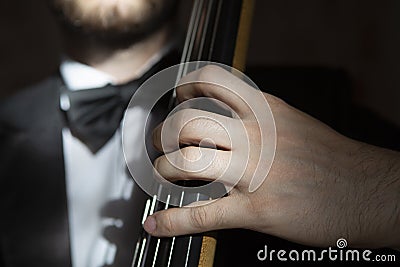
(361, 37)
(337, 60)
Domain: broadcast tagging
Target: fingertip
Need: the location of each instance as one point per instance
(150, 225)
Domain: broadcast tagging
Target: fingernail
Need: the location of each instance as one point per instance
(150, 225)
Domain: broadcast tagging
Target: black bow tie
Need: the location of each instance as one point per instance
(93, 115)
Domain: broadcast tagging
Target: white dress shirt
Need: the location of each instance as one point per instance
(91, 179)
(94, 179)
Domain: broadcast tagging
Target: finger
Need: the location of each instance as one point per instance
(220, 214)
(192, 127)
(215, 82)
(191, 163)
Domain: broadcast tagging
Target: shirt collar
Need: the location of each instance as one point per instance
(78, 76)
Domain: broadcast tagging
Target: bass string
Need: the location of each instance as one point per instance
(188, 48)
(186, 56)
(187, 40)
(203, 38)
(193, 36)
(215, 29)
(183, 68)
(189, 44)
(199, 57)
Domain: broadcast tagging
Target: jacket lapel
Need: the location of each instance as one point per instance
(34, 224)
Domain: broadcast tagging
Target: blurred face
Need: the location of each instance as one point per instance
(115, 17)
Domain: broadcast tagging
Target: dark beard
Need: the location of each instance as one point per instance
(116, 36)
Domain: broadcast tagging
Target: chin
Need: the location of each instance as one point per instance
(114, 16)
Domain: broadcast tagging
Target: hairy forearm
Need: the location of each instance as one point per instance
(379, 178)
(393, 188)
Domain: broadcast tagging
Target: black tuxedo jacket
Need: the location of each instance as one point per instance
(34, 218)
(34, 215)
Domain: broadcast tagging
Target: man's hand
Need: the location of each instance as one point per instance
(322, 185)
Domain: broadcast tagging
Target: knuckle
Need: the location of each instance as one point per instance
(274, 101)
(219, 216)
(199, 217)
(208, 72)
(167, 223)
(189, 131)
(186, 159)
(181, 117)
(207, 78)
(189, 153)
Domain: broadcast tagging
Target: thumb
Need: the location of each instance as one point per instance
(219, 214)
